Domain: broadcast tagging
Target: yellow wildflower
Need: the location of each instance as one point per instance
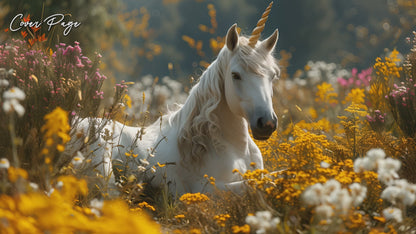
(16, 173)
(193, 198)
(326, 94)
(221, 219)
(245, 229)
(56, 129)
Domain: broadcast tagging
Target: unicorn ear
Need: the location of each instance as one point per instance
(270, 42)
(232, 38)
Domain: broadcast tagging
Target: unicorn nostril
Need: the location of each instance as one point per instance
(263, 124)
(260, 122)
(270, 124)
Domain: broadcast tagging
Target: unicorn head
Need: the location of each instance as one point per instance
(248, 81)
(241, 79)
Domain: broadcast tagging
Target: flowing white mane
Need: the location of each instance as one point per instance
(197, 120)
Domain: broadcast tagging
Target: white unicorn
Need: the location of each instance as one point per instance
(209, 134)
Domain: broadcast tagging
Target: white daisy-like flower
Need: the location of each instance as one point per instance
(393, 213)
(4, 163)
(14, 93)
(77, 160)
(11, 101)
(13, 105)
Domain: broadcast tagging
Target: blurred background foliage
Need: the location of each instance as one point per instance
(179, 38)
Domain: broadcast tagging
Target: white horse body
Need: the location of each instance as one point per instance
(209, 134)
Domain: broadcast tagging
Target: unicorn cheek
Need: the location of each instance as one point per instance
(233, 98)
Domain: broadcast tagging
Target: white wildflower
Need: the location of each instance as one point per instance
(96, 206)
(4, 83)
(390, 164)
(324, 211)
(264, 215)
(77, 160)
(263, 222)
(387, 176)
(11, 101)
(14, 93)
(331, 190)
(359, 165)
(313, 195)
(141, 168)
(153, 169)
(48, 193)
(407, 195)
(144, 162)
(392, 213)
(325, 164)
(34, 186)
(387, 170)
(344, 201)
(4, 163)
(59, 185)
(375, 154)
(358, 193)
(391, 193)
(252, 220)
(11, 72)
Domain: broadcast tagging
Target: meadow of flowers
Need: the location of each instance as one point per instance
(342, 160)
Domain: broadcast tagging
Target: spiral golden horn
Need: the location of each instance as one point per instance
(255, 35)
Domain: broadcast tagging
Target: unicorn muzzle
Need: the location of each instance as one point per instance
(264, 126)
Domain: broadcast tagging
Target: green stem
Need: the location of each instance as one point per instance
(13, 137)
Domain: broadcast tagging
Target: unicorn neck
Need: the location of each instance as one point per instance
(234, 128)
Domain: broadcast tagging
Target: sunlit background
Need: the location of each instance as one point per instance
(179, 38)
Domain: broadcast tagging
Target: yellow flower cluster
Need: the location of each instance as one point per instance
(305, 159)
(245, 229)
(388, 67)
(56, 130)
(16, 173)
(58, 213)
(193, 198)
(326, 94)
(221, 219)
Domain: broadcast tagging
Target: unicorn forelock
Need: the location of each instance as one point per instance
(256, 60)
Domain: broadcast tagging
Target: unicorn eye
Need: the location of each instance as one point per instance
(236, 76)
